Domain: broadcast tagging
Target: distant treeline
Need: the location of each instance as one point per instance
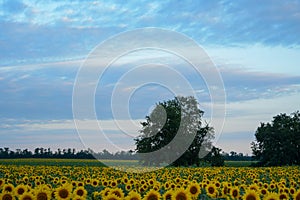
(71, 153)
(6, 153)
(234, 156)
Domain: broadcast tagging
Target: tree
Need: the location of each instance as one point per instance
(176, 127)
(278, 143)
(215, 157)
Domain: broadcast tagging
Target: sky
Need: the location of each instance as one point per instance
(254, 46)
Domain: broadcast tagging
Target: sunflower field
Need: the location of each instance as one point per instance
(60, 182)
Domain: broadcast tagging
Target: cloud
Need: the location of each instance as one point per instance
(45, 90)
(259, 58)
(241, 84)
(241, 121)
(111, 134)
(60, 30)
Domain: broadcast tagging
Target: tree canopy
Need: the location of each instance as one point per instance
(177, 127)
(278, 142)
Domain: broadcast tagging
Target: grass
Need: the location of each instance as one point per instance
(238, 163)
(50, 162)
(95, 163)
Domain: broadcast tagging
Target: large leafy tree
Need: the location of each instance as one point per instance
(176, 127)
(278, 142)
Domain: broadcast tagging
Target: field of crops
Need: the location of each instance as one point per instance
(85, 180)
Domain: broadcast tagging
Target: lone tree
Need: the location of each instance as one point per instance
(174, 130)
(278, 143)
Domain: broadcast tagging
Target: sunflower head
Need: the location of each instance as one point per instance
(80, 192)
(168, 195)
(284, 196)
(181, 194)
(111, 197)
(63, 192)
(251, 195)
(20, 189)
(235, 192)
(152, 195)
(118, 192)
(271, 196)
(297, 195)
(133, 196)
(113, 184)
(194, 189)
(211, 190)
(27, 196)
(7, 196)
(94, 182)
(8, 187)
(1, 182)
(43, 195)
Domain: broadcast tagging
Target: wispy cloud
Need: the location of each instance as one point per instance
(111, 134)
(59, 30)
(46, 91)
(43, 44)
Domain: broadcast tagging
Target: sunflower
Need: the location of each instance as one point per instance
(217, 184)
(133, 196)
(78, 198)
(251, 195)
(27, 196)
(118, 192)
(88, 181)
(6, 196)
(172, 186)
(235, 192)
(94, 182)
(211, 190)
(43, 194)
(225, 190)
(194, 190)
(151, 181)
(272, 186)
(63, 192)
(152, 195)
(167, 185)
(20, 189)
(254, 187)
(105, 192)
(168, 195)
(1, 182)
(297, 195)
(105, 183)
(80, 192)
(181, 194)
(111, 197)
(284, 196)
(96, 195)
(141, 190)
(292, 191)
(8, 187)
(113, 184)
(271, 196)
(128, 187)
(264, 191)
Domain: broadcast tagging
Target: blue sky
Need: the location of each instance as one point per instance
(255, 45)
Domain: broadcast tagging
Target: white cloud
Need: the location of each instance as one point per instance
(258, 58)
(88, 125)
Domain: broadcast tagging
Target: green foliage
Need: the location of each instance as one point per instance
(179, 119)
(51, 162)
(278, 143)
(229, 163)
(215, 157)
